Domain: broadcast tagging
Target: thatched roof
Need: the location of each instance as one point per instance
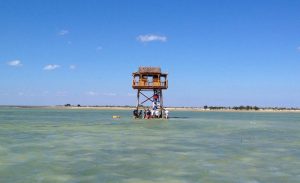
(149, 70)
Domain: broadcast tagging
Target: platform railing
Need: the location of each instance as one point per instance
(149, 83)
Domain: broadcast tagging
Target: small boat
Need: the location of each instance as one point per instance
(116, 117)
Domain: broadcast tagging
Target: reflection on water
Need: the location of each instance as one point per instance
(89, 146)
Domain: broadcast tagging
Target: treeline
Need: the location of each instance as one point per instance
(234, 108)
(242, 107)
(78, 105)
(247, 108)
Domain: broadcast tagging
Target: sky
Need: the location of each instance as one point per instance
(216, 52)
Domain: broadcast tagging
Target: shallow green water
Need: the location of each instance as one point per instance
(89, 146)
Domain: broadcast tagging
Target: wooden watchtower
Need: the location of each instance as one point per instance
(151, 81)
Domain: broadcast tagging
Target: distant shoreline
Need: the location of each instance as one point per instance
(192, 109)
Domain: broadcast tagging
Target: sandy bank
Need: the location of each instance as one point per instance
(169, 108)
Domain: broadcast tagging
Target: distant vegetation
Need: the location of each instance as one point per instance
(242, 107)
(234, 108)
(78, 105)
(247, 108)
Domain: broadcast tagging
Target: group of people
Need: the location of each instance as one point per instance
(154, 113)
(157, 113)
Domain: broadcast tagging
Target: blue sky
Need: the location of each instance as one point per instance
(217, 52)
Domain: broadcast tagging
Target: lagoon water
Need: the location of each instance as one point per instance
(48, 145)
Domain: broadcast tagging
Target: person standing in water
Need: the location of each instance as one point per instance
(148, 114)
(166, 114)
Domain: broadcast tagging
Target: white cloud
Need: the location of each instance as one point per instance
(21, 94)
(26, 94)
(44, 93)
(131, 94)
(72, 67)
(151, 37)
(61, 93)
(91, 93)
(51, 67)
(109, 94)
(14, 63)
(63, 32)
(99, 48)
